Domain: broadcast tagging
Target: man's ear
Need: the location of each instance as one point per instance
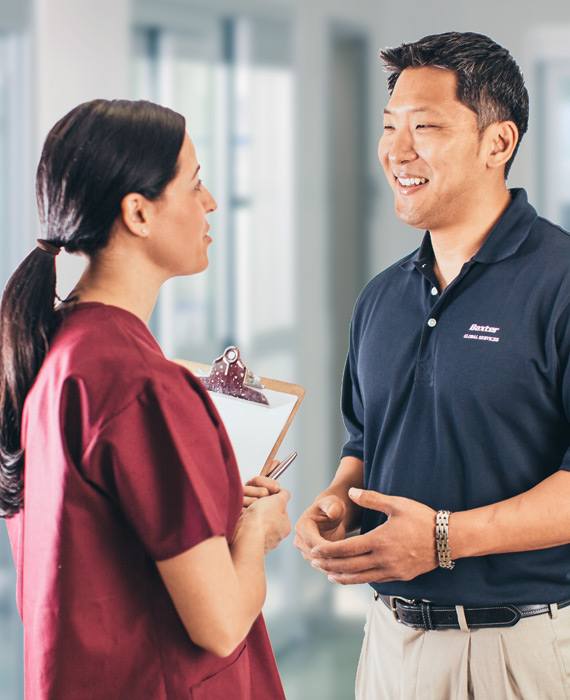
(133, 214)
(502, 139)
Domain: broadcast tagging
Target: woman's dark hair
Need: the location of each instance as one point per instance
(92, 158)
(489, 80)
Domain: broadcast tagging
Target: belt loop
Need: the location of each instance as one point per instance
(463, 626)
(553, 610)
(426, 615)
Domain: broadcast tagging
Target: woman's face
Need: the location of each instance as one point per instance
(178, 219)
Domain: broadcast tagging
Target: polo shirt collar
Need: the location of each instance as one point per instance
(504, 239)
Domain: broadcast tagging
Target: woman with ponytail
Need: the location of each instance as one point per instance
(139, 573)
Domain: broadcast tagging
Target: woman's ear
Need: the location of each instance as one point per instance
(133, 214)
(502, 138)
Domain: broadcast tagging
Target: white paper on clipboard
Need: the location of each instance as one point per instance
(255, 430)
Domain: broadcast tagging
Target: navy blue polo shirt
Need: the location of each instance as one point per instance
(461, 398)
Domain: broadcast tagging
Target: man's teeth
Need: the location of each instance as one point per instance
(408, 181)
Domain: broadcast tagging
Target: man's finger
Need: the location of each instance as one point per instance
(330, 507)
(342, 565)
(370, 576)
(372, 500)
(351, 547)
(305, 549)
(307, 536)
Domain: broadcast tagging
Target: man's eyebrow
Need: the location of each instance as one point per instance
(415, 109)
(196, 172)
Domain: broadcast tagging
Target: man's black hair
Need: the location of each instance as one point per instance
(489, 81)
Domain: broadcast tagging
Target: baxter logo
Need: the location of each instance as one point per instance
(475, 330)
(483, 329)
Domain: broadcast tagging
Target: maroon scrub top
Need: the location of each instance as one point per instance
(127, 463)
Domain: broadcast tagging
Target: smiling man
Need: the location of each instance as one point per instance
(456, 397)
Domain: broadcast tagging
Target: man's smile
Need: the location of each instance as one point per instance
(409, 183)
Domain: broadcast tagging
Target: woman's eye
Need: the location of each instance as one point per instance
(199, 185)
(388, 127)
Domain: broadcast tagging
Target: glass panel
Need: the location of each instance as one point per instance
(4, 87)
(191, 90)
(14, 221)
(564, 155)
(273, 242)
(185, 72)
(240, 115)
(554, 140)
(11, 657)
(233, 81)
(263, 143)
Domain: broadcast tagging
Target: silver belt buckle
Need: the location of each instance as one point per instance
(393, 599)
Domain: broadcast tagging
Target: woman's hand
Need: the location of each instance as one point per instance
(269, 513)
(259, 487)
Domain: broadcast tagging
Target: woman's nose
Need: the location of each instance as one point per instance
(210, 203)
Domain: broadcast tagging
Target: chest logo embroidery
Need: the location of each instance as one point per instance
(487, 333)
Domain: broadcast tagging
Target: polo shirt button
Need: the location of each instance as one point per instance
(432, 322)
(434, 291)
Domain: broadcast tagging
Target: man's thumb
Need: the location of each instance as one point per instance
(371, 499)
(331, 507)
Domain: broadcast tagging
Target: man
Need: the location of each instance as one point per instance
(456, 398)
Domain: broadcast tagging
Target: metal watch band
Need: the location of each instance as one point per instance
(442, 539)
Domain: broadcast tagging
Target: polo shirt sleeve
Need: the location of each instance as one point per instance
(351, 404)
(161, 461)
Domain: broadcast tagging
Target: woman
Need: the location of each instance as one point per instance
(138, 574)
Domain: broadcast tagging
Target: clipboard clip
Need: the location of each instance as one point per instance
(230, 376)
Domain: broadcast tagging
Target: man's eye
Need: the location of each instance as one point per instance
(387, 127)
(199, 185)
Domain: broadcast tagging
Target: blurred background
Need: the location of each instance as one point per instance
(283, 100)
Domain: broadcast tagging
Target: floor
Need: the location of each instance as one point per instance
(323, 665)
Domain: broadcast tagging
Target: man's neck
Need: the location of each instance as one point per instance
(454, 246)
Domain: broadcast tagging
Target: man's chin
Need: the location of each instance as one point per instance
(411, 217)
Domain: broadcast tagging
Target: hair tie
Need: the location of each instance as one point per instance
(48, 246)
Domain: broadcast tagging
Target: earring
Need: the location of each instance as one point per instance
(144, 230)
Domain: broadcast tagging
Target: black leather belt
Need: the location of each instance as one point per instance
(424, 615)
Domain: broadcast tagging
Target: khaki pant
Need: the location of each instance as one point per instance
(530, 660)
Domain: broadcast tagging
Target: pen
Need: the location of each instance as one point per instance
(282, 466)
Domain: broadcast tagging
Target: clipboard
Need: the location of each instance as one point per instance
(256, 411)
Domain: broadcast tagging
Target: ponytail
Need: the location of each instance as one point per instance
(92, 158)
(27, 321)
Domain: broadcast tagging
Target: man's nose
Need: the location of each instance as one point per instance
(402, 147)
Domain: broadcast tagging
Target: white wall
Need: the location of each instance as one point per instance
(81, 52)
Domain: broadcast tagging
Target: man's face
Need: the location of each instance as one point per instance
(431, 151)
